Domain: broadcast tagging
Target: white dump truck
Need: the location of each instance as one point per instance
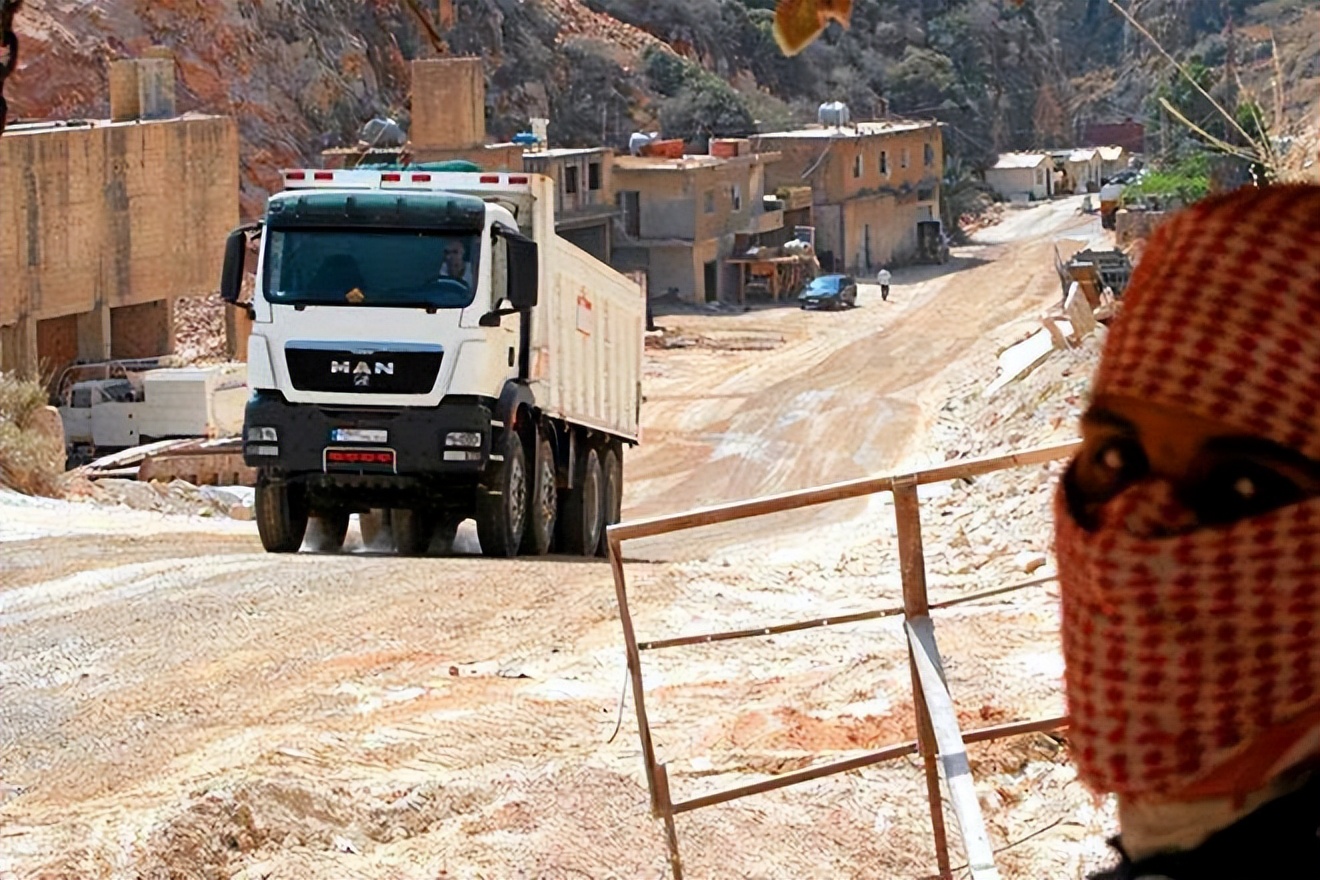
(424, 343)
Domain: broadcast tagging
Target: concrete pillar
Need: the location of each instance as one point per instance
(94, 333)
(448, 103)
(238, 327)
(18, 347)
(141, 88)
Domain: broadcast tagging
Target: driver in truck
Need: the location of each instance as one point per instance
(456, 265)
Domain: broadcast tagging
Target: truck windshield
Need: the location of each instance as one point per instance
(370, 268)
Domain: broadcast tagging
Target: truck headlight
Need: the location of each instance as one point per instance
(264, 450)
(468, 439)
(262, 435)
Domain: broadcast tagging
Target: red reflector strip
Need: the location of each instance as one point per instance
(391, 178)
(490, 178)
(325, 175)
(518, 179)
(421, 178)
(295, 175)
(353, 457)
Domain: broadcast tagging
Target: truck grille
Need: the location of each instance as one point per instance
(341, 369)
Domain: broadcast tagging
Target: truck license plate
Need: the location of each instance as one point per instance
(359, 435)
(372, 460)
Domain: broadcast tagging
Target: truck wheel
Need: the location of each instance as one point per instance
(281, 512)
(330, 529)
(502, 503)
(584, 508)
(412, 531)
(612, 471)
(542, 502)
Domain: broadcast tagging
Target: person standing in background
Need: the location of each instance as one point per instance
(883, 278)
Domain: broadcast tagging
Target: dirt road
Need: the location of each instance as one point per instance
(173, 702)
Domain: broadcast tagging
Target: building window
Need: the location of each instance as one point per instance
(737, 197)
(930, 155)
(571, 179)
(857, 166)
(903, 160)
(884, 163)
(710, 201)
(593, 176)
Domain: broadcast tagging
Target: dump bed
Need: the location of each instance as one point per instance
(587, 338)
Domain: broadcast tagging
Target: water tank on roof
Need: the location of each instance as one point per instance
(526, 139)
(833, 113)
(382, 132)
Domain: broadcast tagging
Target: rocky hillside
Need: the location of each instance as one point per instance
(300, 75)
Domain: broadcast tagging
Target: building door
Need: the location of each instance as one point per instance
(866, 246)
(711, 282)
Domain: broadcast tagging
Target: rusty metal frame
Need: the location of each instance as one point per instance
(940, 742)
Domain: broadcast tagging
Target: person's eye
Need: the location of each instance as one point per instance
(1238, 490)
(1115, 462)
(1101, 471)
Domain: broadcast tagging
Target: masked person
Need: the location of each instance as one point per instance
(1188, 542)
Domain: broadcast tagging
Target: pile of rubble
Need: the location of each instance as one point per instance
(175, 497)
(199, 330)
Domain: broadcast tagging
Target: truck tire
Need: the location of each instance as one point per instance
(583, 516)
(502, 503)
(412, 531)
(612, 471)
(330, 531)
(542, 501)
(281, 513)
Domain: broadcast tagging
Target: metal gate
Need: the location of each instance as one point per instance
(940, 742)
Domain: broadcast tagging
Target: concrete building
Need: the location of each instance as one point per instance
(1112, 160)
(105, 223)
(1085, 168)
(872, 182)
(1021, 176)
(584, 197)
(681, 217)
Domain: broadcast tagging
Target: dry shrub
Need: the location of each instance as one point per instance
(31, 460)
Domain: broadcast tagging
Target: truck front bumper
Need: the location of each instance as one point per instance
(293, 440)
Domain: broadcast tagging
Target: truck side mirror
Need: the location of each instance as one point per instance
(524, 275)
(231, 276)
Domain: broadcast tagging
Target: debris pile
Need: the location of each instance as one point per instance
(199, 330)
(176, 497)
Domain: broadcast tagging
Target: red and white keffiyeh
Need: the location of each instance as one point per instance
(1193, 661)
